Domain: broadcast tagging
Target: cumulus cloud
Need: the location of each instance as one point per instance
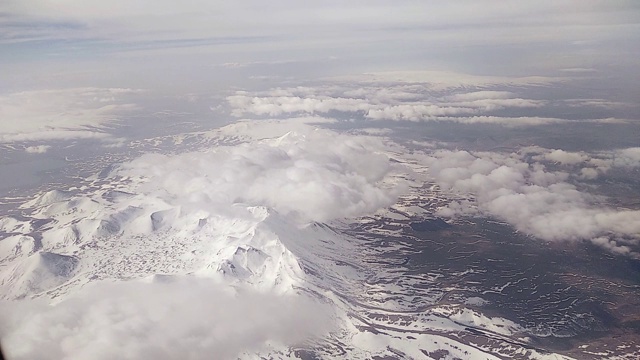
(78, 113)
(489, 100)
(180, 319)
(534, 200)
(592, 164)
(39, 149)
(629, 157)
(589, 173)
(503, 120)
(308, 100)
(278, 105)
(415, 112)
(620, 158)
(52, 135)
(566, 157)
(315, 173)
(421, 100)
(614, 246)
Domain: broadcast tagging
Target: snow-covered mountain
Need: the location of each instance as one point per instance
(212, 253)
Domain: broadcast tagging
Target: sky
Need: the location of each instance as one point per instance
(196, 45)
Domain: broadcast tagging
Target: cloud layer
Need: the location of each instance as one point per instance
(589, 165)
(422, 96)
(153, 43)
(180, 319)
(42, 115)
(154, 20)
(318, 174)
(535, 200)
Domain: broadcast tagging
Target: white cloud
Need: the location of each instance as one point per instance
(536, 201)
(384, 102)
(589, 173)
(629, 157)
(181, 319)
(614, 247)
(566, 157)
(78, 113)
(315, 173)
(490, 104)
(278, 105)
(39, 149)
(593, 164)
(393, 99)
(415, 112)
(443, 80)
